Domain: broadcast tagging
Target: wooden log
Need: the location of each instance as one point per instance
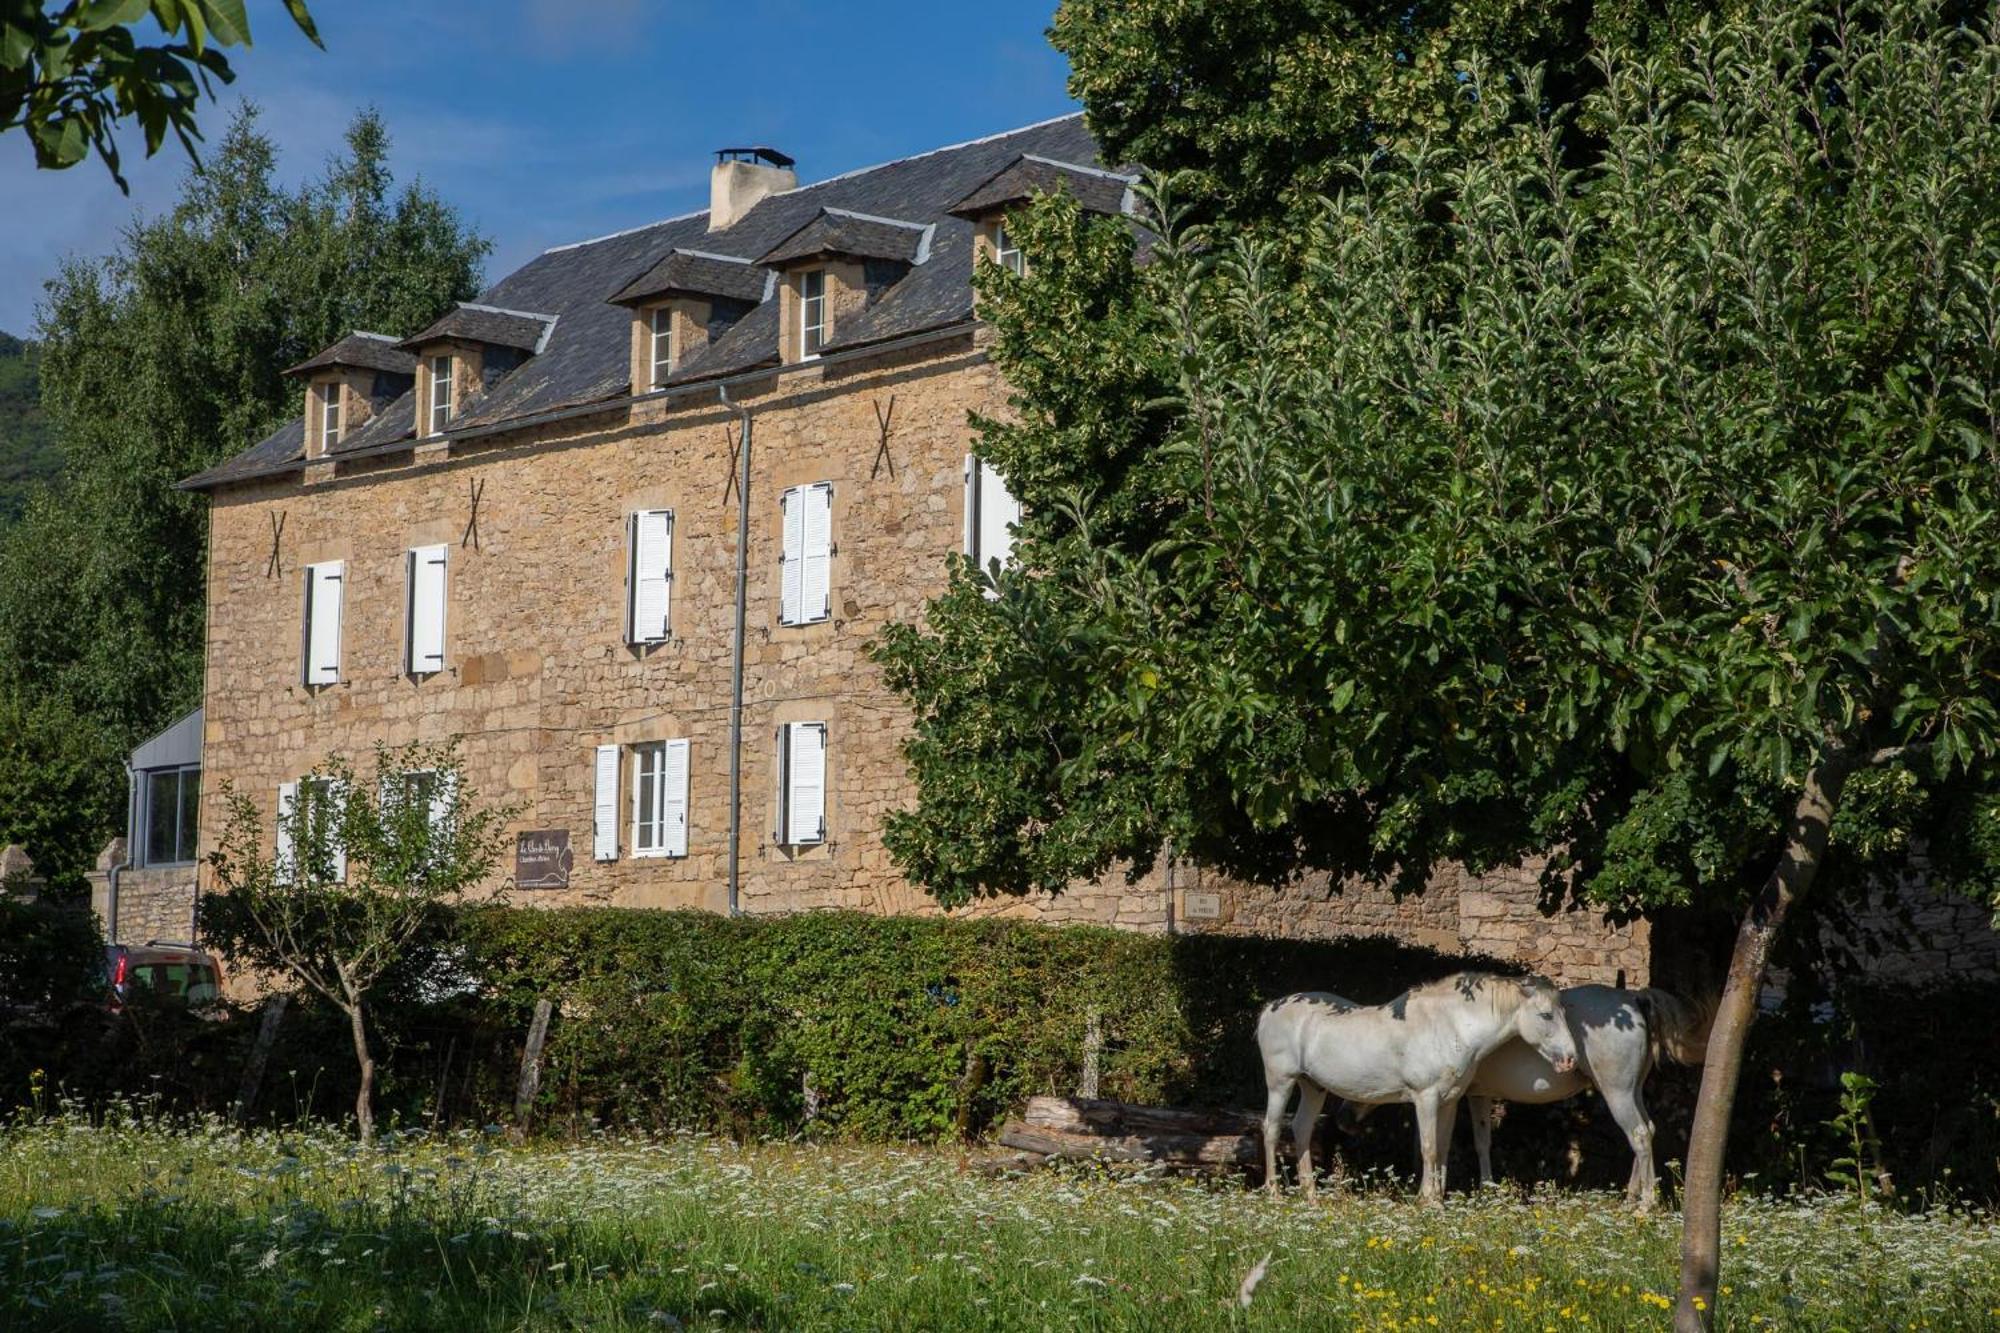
(1177, 1149)
(260, 1056)
(1081, 1115)
(531, 1068)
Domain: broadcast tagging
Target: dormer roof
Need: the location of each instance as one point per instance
(697, 273)
(851, 235)
(360, 351)
(1097, 190)
(490, 325)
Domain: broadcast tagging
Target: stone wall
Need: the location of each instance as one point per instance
(538, 672)
(153, 904)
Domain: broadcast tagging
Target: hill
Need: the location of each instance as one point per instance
(28, 454)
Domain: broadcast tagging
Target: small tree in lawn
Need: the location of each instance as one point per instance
(360, 873)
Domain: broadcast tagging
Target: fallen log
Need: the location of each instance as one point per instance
(1167, 1148)
(1084, 1115)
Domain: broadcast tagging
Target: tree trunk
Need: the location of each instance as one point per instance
(364, 1100)
(1708, 1142)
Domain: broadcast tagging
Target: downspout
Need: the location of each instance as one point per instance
(736, 657)
(111, 876)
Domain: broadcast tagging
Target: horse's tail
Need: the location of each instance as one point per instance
(1676, 1029)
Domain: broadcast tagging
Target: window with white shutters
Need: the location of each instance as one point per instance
(806, 555)
(802, 783)
(312, 806)
(991, 511)
(659, 798)
(604, 809)
(322, 623)
(649, 575)
(423, 628)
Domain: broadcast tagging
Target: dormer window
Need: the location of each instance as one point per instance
(1005, 252)
(663, 345)
(329, 419)
(440, 393)
(813, 330)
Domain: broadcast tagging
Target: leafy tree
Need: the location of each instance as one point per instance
(71, 73)
(362, 871)
(28, 454)
(164, 358)
(1632, 502)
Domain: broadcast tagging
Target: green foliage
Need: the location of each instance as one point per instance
(28, 453)
(55, 798)
(1582, 476)
(71, 73)
(51, 958)
(901, 1028)
(1858, 1166)
(163, 359)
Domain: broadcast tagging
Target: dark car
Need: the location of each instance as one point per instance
(163, 972)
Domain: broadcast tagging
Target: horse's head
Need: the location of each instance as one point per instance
(1541, 1024)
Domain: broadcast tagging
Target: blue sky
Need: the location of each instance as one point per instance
(548, 121)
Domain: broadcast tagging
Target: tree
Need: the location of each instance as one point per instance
(164, 358)
(71, 74)
(1630, 505)
(360, 873)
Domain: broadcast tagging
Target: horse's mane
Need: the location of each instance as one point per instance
(1491, 987)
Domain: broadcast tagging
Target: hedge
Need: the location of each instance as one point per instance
(864, 1027)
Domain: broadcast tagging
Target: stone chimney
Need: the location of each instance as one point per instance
(742, 177)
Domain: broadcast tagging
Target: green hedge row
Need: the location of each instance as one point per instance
(854, 1026)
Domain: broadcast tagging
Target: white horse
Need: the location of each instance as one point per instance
(1620, 1035)
(1422, 1047)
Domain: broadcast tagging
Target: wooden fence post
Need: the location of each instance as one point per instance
(531, 1068)
(260, 1055)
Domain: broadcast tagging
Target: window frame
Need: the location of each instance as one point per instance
(663, 332)
(784, 833)
(329, 415)
(1006, 256)
(186, 853)
(649, 826)
(442, 381)
(815, 325)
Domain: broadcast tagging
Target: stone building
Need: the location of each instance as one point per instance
(522, 526)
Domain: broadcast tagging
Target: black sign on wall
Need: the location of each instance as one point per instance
(542, 859)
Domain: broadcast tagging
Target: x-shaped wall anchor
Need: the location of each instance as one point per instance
(729, 485)
(882, 454)
(474, 489)
(272, 567)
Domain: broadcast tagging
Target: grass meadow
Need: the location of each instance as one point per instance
(141, 1224)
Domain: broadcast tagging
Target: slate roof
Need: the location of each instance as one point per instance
(365, 351)
(585, 358)
(1028, 175)
(491, 325)
(838, 231)
(697, 273)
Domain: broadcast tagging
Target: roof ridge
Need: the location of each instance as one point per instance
(872, 217)
(1079, 168)
(929, 152)
(504, 310)
(378, 337)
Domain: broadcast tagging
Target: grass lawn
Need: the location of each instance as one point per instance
(146, 1226)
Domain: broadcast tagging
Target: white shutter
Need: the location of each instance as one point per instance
(805, 779)
(426, 609)
(674, 799)
(323, 584)
(816, 591)
(998, 512)
(605, 810)
(336, 810)
(288, 800)
(652, 573)
(971, 522)
(791, 558)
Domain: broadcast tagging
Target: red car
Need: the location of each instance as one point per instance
(163, 971)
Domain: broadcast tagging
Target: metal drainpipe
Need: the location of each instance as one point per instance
(111, 877)
(736, 663)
